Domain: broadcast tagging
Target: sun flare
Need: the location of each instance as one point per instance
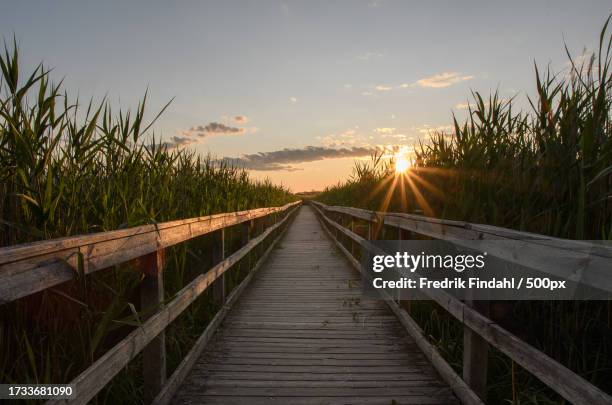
(401, 164)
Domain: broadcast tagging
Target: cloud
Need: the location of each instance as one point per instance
(293, 100)
(399, 137)
(381, 87)
(463, 106)
(426, 129)
(284, 159)
(241, 119)
(444, 79)
(198, 133)
(213, 128)
(177, 141)
(349, 137)
(385, 130)
(367, 93)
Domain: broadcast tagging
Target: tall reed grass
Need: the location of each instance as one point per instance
(68, 168)
(547, 170)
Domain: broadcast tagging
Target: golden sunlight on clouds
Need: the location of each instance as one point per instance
(444, 79)
(381, 87)
(385, 130)
(311, 176)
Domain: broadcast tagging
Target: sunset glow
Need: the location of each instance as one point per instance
(402, 164)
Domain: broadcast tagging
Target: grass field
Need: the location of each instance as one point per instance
(68, 168)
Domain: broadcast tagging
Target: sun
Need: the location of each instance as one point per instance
(401, 164)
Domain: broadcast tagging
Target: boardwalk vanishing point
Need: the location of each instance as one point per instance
(302, 334)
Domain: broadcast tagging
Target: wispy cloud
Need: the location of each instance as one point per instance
(177, 141)
(241, 119)
(381, 87)
(285, 159)
(426, 129)
(384, 130)
(441, 80)
(293, 100)
(213, 128)
(463, 106)
(199, 133)
(350, 137)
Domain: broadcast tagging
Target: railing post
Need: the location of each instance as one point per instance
(218, 255)
(245, 236)
(152, 296)
(261, 225)
(404, 234)
(476, 354)
(245, 232)
(335, 218)
(375, 225)
(352, 227)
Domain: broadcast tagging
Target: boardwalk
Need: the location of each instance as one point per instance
(301, 334)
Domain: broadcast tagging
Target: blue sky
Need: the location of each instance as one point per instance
(327, 80)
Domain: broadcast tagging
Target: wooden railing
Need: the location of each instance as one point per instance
(30, 268)
(479, 330)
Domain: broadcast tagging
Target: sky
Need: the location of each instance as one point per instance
(297, 90)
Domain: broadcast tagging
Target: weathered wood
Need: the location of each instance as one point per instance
(540, 253)
(181, 372)
(317, 400)
(92, 380)
(151, 298)
(315, 342)
(245, 232)
(459, 387)
(29, 268)
(352, 242)
(565, 382)
(218, 254)
(476, 354)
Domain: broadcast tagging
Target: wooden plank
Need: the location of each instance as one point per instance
(29, 268)
(215, 381)
(314, 400)
(92, 380)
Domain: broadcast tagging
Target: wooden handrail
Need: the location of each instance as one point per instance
(538, 252)
(93, 379)
(559, 378)
(28, 268)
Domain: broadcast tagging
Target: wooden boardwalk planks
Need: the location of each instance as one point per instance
(302, 334)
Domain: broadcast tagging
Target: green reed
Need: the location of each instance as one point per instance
(68, 168)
